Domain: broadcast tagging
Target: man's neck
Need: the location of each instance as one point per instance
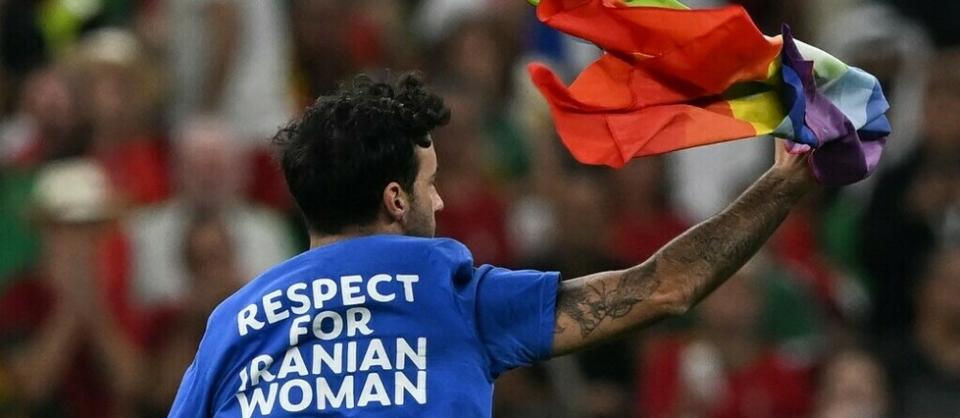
(320, 240)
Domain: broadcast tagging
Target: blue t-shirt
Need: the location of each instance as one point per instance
(377, 326)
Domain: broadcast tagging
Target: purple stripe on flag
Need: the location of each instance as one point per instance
(841, 156)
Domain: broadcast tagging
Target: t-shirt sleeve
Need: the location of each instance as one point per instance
(191, 400)
(515, 315)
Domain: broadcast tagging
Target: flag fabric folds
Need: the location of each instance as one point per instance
(672, 78)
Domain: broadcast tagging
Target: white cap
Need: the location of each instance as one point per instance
(75, 190)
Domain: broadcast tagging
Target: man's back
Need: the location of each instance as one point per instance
(381, 325)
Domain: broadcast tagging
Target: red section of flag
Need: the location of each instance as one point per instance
(657, 89)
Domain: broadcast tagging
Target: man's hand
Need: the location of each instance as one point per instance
(793, 166)
(594, 308)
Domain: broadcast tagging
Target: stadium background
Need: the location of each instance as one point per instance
(137, 189)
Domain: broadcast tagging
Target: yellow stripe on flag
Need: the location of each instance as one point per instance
(764, 111)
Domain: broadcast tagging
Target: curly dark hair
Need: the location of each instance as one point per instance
(347, 147)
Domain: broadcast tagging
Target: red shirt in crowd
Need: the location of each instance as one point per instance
(29, 302)
(633, 239)
(139, 170)
(767, 387)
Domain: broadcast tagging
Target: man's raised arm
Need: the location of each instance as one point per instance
(593, 308)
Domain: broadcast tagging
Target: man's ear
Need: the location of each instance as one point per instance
(395, 201)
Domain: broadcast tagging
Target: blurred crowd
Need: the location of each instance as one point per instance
(138, 189)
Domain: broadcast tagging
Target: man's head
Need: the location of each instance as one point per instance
(362, 159)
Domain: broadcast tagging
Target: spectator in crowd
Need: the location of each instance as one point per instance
(119, 95)
(533, 212)
(230, 59)
(937, 16)
(579, 246)
(771, 14)
(925, 372)
(724, 369)
(67, 332)
(526, 393)
(852, 385)
(478, 57)
(874, 36)
(704, 178)
(321, 45)
(210, 167)
(210, 260)
(46, 123)
(478, 53)
(796, 245)
(435, 20)
(19, 243)
(22, 46)
(911, 210)
(474, 207)
(45, 126)
(333, 39)
(643, 219)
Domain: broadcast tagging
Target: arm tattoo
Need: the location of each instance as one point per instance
(590, 303)
(692, 265)
(705, 256)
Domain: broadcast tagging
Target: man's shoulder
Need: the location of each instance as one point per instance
(403, 247)
(406, 240)
(443, 251)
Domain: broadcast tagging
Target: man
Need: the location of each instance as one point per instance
(379, 319)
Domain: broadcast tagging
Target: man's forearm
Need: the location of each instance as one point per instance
(681, 274)
(704, 257)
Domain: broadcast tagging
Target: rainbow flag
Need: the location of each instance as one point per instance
(672, 78)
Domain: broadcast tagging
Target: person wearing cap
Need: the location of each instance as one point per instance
(66, 334)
